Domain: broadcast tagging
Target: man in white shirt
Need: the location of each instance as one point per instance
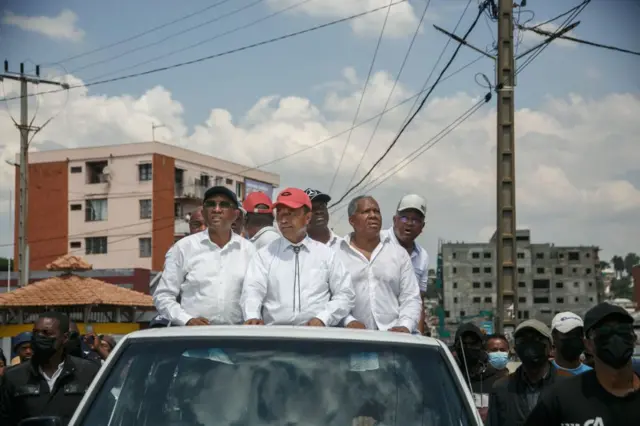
(203, 273)
(318, 228)
(387, 294)
(295, 280)
(408, 223)
(258, 224)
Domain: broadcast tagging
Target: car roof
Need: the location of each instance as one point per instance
(283, 332)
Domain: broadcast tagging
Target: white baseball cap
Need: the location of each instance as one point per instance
(413, 202)
(564, 322)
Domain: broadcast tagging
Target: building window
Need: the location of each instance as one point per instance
(487, 269)
(76, 169)
(559, 299)
(488, 299)
(95, 245)
(476, 285)
(590, 284)
(95, 210)
(576, 284)
(574, 256)
(488, 284)
(475, 255)
(587, 271)
(521, 270)
(76, 207)
(229, 181)
(526, 315)
(455, 270)
(145, 209)
(204, 181)
(520, 255)
(455, 285)
(540, 270)
(145, 172)
(455, 300)
(559, 271)
(475, 270)
(477, 299)
(522, 300)
(487, 255)
(559, 285)
(218, 181)
(540, 300)
(462, 313)
(454, 255)
(576, 299)
(539, 255)
(94, 172)
(75, 244)
(145, 247)
(240, 190)
(522, 284)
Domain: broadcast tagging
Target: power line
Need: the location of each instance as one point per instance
(136, 36)
(424, 101)
(217, 55)
(138, 223)
(395, 83)
(364, 91)
(414, 155)
(162, 40)
(562, 15)
(207, 40)
(580, 41)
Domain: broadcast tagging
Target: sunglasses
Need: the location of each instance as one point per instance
(221, 204)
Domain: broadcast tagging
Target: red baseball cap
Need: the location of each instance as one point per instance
(293, 198)
(256, 198)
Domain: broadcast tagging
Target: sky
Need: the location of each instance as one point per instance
(577, 107)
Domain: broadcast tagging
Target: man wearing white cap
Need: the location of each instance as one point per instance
(408, 224)
(567, 330)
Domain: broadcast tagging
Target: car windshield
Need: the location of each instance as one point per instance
(230, 382)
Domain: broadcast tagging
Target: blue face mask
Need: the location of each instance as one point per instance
(498, 360)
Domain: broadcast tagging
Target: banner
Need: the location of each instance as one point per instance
(254, 185)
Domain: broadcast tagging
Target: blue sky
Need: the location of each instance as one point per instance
(579, 84)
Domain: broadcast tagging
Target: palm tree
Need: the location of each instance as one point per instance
(604, 265)
(618, 265)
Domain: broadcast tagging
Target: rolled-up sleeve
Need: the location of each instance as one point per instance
(410, 305)
(343, 298)
(165, 298)
(254, 288)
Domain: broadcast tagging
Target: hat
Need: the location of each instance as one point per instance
(469, 328)
(413, 202)
(533, 324)
(602, 311)
(221, 190)
(24, 337)
(293, 198)
(564, 322)
(315, 195)
(255, 199)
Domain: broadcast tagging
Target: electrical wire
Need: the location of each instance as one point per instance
(138, 223)
(393, 88)
(220, 54)
(364, 91)
(162, 40)
(141, 34)
(201, 42)
(586, 42)
(422, 104)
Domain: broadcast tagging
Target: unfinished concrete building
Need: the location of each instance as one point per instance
(551, 279)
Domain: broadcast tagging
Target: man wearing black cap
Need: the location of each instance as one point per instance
(513, 397)
(609, 395)
(318, 228)
(203, 273)
(473, 361)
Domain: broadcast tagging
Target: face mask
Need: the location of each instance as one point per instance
(473, 356)
(498, 360)
(571, 349)
(532, 353)
(43, 347)
(614, 350)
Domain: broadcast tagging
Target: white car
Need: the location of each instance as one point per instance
(277, 376)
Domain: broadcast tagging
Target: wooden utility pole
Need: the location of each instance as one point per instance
(25, 129)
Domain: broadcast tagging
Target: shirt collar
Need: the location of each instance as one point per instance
(204, 238)
(264, 230)
(392, 235)
(304, 244)
(384, 238)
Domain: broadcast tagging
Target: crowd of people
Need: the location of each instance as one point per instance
(236, 268)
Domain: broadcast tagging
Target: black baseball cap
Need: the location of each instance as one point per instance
(469, 328)
(602, 311)
(315, 195)
(221, 190)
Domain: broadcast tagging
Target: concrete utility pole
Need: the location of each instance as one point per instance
(25, 129)
(506, 248)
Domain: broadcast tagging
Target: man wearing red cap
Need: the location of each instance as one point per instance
(258, 224)
(295, 280)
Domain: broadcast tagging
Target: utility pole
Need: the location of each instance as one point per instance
(506, 248)
(25, 129)
(153, 130)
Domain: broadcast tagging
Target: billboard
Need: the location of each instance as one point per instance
(251, 185)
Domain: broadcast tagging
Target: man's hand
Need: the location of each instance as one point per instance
(356, 324)
(399, 329)
(198, 321)
(254, 321)
(315, 322)
(92, 340)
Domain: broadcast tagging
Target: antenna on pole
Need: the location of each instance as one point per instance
(155, 126)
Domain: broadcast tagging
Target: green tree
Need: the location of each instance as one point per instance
(621, 288)
(604, 265)
(630, 260)
(618, 265)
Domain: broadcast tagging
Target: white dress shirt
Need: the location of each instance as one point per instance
(264, 236)
(278, 294)
(208, 279)
(387, 293)
(334, 241)
(419, 259)
(51, 381)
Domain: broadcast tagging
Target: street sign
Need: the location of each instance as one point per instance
(487, 326)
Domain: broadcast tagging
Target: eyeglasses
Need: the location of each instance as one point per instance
(210, 204)
(411, 220)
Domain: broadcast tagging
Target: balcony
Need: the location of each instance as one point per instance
(193, 191)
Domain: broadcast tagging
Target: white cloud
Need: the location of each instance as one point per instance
(61, 27)
(577, 158)
(402, 17)
(530, 38)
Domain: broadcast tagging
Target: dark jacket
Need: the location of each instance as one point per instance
(510, 402)
(482, 381)
(25, 393)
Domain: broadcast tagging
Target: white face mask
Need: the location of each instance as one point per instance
(498, 360)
